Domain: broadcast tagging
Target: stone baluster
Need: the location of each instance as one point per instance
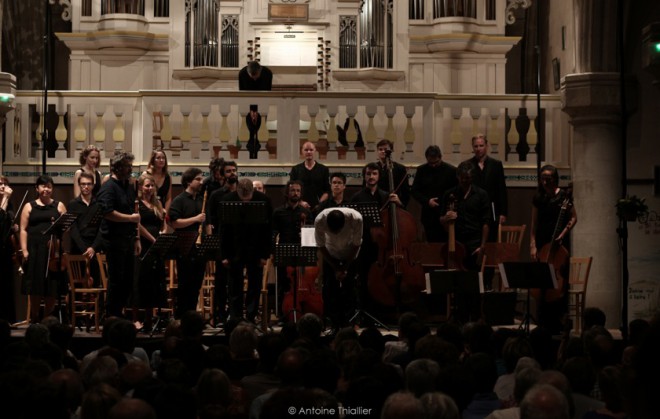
(456, 133)
(80, 130)
(494, 131)
(513, 137)
(224, 135)
(166, 134)
(61, 136)
(532, 138)
(99, 133)
(205, 134)
(370, 136)
(332, 135)
(409, 132)
(186, 133)
(118, 132)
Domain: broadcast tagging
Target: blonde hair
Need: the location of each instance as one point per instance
(154, 201)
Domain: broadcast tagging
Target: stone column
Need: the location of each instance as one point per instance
(592, 100)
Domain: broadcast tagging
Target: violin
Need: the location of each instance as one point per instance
(395, 279)
(54, 257)
(556, 254)
(453, 251)
(302, 297)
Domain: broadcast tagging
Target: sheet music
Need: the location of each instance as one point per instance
(307, 237)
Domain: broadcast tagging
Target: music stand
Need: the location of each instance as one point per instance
(95, 221)
(291, 254)
(158, 250)
(528, 275)
(160, 247)
(184, 242)
(209, 248)
(370, 213)
(454, 282)
(59, 226)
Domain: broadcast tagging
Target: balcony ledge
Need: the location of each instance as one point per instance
(367, 74)
(114, 39)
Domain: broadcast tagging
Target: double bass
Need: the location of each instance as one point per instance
(395, 279)
(555, 253)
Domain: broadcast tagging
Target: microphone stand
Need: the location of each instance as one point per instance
(46, 69)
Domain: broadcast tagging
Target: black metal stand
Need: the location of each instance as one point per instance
(528, 275)
(361, 312)
(452, 283)
(56, 230)
(158, 250)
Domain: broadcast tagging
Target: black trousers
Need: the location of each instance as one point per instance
(190, 274)
(237, 296)
(121, 264)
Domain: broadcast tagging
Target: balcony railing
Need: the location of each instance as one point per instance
(194, 126)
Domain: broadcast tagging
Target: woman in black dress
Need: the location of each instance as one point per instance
(36, 217)
(150, 284)
(157, 168)
(90, 161)
(546, 211)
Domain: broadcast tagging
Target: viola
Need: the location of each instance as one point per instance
(54, 256)
(395, 279)
(556, 254)
(453, 251)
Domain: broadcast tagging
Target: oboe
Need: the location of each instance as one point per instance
(201, 225)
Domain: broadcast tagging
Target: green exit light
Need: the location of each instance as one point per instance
(657, 46)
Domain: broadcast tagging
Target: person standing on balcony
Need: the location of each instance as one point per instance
(489, 176)
(254, 76)
(432, 180)
(314, 176)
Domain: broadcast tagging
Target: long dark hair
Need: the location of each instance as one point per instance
(553, 173)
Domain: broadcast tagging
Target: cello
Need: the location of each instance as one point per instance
(555, 253)
(453, 251)
(302, 297)
(395, 279)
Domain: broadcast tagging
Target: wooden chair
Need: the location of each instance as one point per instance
(84, 299)
(578, 279)
(511, 234)
(428, 255)
(205, 303)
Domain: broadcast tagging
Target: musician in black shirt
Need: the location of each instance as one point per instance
(86, 238)
(186, 215)
(119, 229)
(245, 245)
